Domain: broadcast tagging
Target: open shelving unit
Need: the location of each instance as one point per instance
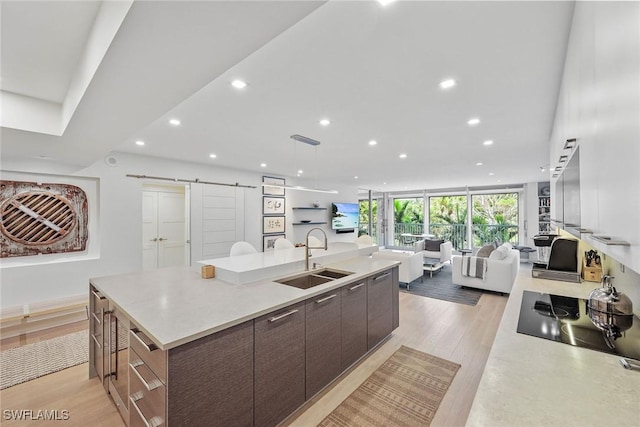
(544, 207)
(311, 222)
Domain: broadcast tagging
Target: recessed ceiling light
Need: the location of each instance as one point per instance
(384, 183)
(325, 122)
(490, 173)
(447, 84)
(238, 84)
(174, 122)
(213, 156)
(355, 177)
(473, 122)
(140, 143)
(300, 171)
(263, 165)
(487, 142)
(479, 164)
(373, 142)
(385, 2)
(403, 156)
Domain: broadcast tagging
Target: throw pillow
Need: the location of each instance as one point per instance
(485, 251)
(433, 245)
(418, 246)
(499, 254)
(507, 245)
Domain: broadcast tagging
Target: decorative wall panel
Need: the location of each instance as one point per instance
(42, 218)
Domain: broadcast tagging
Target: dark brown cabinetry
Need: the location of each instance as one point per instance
(279, 373)
(323, 341)
(211, 379)
(395, 298)
(217, 368)
(354, 322)
(379, 307)
(255, 373)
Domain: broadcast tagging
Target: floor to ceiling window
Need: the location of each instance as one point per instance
(365, 219)
(495, 218)
(408, 220)
(448, 219)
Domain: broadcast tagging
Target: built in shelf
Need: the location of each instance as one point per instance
(609, 241)
(308, 223)
(311, 209)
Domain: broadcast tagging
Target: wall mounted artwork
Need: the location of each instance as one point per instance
(273, 205)
(273, 224)
(42, 218)
(267, 189)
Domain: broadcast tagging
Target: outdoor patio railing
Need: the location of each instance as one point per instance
(455, 233)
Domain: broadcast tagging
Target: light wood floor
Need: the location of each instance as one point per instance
(456, 332)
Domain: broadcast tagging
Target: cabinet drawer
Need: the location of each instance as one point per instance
(323, 341)
(279, 364)
(150, 354)
(147, 394)
(98, 303)
(354, 322)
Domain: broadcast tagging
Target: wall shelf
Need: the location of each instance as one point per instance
(310, 209)
(609, 241)
(309, 223)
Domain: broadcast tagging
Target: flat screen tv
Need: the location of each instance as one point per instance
(344, 216)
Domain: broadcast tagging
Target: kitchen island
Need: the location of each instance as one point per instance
(530, 381)
(261, 265)
(172, 347)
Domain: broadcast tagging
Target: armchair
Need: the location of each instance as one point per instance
(438, 249)
(410, 264)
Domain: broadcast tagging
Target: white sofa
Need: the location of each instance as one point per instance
(410, 264)
(444, 254)
(500, 274)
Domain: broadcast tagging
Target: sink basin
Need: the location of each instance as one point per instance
(334, 274)
(310, 279)
(305, 282)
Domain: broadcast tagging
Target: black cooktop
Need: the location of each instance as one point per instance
(565, 319)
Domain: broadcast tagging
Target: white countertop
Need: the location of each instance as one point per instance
(531, 381)
(261, 265)
(175, 305)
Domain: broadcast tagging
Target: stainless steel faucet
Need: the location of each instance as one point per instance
(307, 253)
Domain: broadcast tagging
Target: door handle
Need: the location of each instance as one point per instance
(162, 239)
(154, 240)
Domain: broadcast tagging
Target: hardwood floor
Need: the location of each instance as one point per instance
(456, 332)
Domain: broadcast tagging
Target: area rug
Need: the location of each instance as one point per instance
(404, 392)
(440, 287)
(21, 364)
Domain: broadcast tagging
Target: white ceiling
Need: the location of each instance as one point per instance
(372, 70)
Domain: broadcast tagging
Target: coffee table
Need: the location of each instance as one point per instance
(432, 266)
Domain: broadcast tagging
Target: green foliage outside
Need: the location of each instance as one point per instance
(494, 217)
(364, 216)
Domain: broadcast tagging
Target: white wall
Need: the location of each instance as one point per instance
(296, 198)
(120, 226)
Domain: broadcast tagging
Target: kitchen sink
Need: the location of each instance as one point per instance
(310, 279)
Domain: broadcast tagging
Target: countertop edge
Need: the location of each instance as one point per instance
(381, 265)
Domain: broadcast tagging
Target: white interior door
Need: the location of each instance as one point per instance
(149, 230)
(171, 227)
(163, 229)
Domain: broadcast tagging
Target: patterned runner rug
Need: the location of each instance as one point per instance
(31, 361)
(404, 392)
